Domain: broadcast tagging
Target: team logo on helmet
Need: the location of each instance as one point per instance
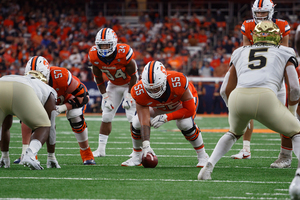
(266, 32)
(38, 67)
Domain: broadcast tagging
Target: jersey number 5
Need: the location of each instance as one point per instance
(253, 57)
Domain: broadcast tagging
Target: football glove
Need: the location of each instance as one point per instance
(159, 120)
(147, 149)
(107, 102)
(127, 102)
(52, 162)
(61, 108)
(5, 162)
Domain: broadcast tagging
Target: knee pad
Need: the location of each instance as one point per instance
(136, 123)
(107, 117)
(185, 124)
(191, 134)
(135, 133)
(78, 124)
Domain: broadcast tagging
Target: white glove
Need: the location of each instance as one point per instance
(5, 162)
(107, 102)
(52, 162)
(147, 148)
(127, 102)
(61, 108)
(159, 120)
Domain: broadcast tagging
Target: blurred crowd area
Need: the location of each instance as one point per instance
(63, 34)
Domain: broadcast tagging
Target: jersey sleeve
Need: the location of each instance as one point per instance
(284, 27)
(129, 55)
(235, 55)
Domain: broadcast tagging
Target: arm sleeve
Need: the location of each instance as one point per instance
(188, 110)
(223, 88)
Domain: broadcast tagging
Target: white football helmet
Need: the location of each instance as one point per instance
(109, 37)
(38, 67)
(263, 6)
(154, 79)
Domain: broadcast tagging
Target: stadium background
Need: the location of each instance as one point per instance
(195, 37)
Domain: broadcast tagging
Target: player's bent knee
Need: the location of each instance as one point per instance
(78, 124)
(136, 123)
(107, 118)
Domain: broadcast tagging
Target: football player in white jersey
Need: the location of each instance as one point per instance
(33, 102)
(264, 10)
(250, 88)
(294, 188)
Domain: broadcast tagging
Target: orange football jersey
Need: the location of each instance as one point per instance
(249, 25)
(60, 79)
(177, 84)
(115, 70)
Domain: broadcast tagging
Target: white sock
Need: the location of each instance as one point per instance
(223, 146)
(35, 145)
(201, 152)
(51, 155)
(24, 147)
(137, 144)
(102, 143)
(296, 146)
(103, 139)
(285, 151)
(5, 154)
(246, 145)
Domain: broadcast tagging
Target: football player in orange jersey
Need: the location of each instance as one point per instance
(162, 96)
(264, 10)
(72, 97)
(117, 63)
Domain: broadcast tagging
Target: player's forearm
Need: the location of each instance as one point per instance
(188, 110)
(145, 132)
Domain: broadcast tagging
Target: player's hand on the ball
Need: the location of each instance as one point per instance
(147, 148)
(159, 120)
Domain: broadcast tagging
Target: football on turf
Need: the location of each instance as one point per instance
(150, 161)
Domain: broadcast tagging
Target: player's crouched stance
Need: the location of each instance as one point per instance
(21, 95)
(162, 96)
(251, 89)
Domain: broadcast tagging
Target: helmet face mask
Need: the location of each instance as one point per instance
(106, 42)
(38, 67)
(267, 32)
(154, 79)
(260, 6)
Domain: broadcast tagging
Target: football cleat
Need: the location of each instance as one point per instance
(87, 157)
(52, 163)
(283, 161)
(17, 161)
(89, 162)
(99, 153)
(205, 172)
(203, 160)
(130, 155)
(30, 161)
(4, 162)
(294, 189)
(243, 154)
(135, 160)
